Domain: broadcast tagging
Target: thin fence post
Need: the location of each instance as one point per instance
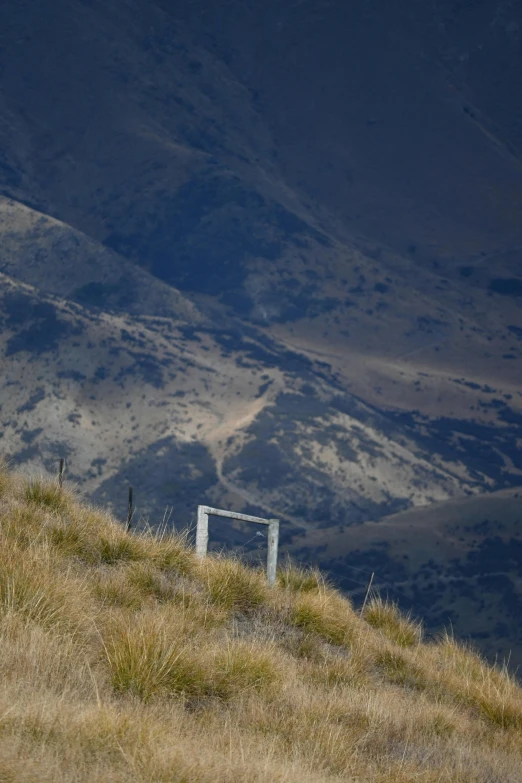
(202, 531)
(129, 511)
(60, 473)
(273, 543)
(367, 593)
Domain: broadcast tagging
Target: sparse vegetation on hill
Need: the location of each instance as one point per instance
(123, 657)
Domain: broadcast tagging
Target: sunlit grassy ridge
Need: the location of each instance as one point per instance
(122, 657)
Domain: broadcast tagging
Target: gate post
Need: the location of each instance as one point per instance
(273, 535)
(273, 543)
(202, 532)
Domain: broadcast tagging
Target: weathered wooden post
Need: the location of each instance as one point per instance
(202, 531)
(129, 511)
(273, 546)
(60, 473)
(273, 535)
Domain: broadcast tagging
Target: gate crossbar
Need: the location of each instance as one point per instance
(273, 535)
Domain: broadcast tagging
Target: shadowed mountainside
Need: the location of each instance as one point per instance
(261, 256)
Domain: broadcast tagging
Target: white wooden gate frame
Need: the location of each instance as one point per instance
(273, 535)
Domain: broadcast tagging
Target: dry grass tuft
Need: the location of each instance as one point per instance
(116, 548)
(232, 585)
(149, 657)
(46, 494)
(172, 553)
(399, 670)
(241, 666)
(300, 580)
(325, 614)
(113, 588)
(150, 581)
(387, 618)
(493, 693)
(332, 670)
(31, 589)
(122, 657)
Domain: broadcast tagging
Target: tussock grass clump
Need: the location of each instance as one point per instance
(123, 657)
(243, 666)
(46, 494)
(159, 656)
(387, 618)
(499, 708)
(493, 693)
(93, 537)
(147, 657)
(30, 593)
(22, 525)
(325, 614)
(300, 580)
(116, 548)
(108, 548)
(398, 669)
(172, 553)
(71, 541)
(232, 585)
(150, 581)
(31, 589)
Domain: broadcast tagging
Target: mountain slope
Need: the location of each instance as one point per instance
(193, 414)
(380, 129)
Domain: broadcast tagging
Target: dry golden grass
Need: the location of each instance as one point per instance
(385, 616)
(122, 657)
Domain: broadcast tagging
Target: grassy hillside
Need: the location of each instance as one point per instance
(124, 658)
